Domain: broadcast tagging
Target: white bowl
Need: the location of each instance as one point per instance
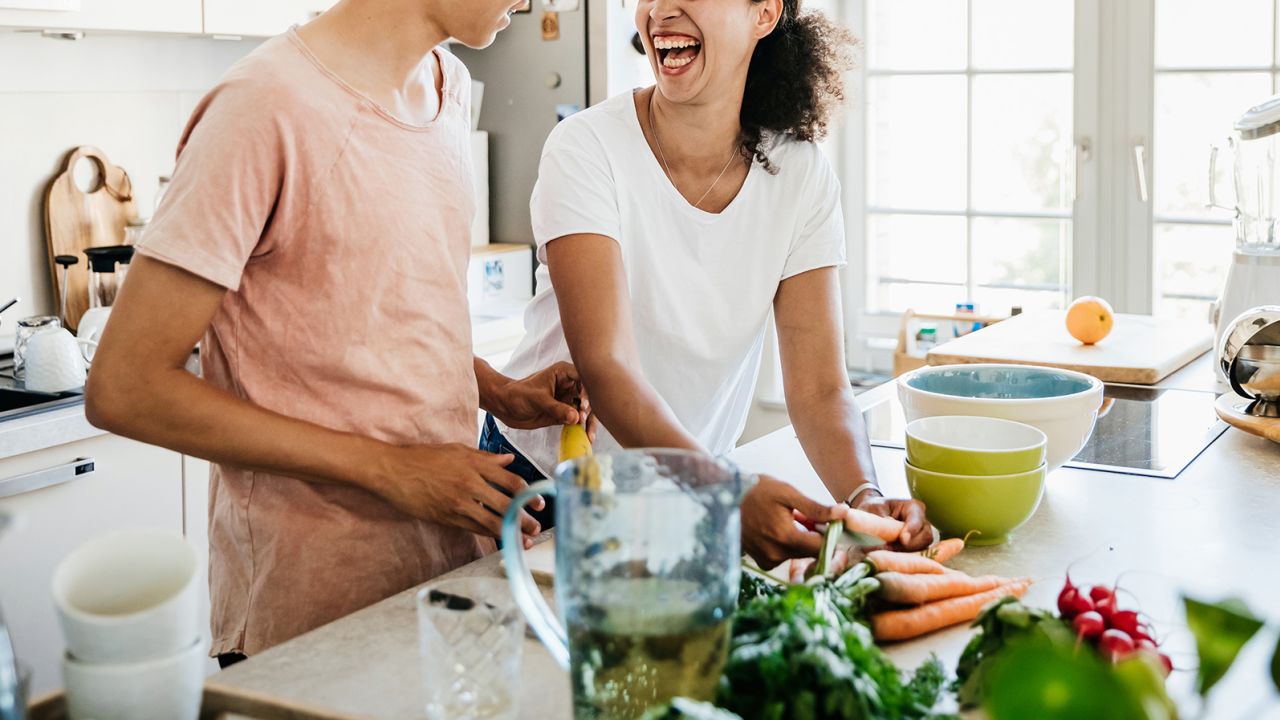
(128, 596)
(169, 688)
(1061, 403)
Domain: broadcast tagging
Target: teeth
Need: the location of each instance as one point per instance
(663, 43)
(674, 63)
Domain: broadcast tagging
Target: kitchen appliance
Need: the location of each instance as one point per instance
(88, 204)
(1253, 278)
(1249, 356)
(65, 262)
(1139, 431)
(648, 555)
(108, 267)
(1141, 350)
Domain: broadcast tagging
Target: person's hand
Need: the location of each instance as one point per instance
(770, 531)
(453, 485)
(545, 398)
(918, 533)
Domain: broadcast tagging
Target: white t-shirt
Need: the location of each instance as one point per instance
(702, 285)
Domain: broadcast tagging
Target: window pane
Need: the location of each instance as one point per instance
(1026, 253)
(897, 297)
(1021, 142)
(1191, 264)
(916, 34)
(1194, 111)
(916, 130)
(917, 247)
(1223, 33)
(1023, 34)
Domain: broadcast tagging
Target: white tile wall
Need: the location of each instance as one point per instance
(129, 95)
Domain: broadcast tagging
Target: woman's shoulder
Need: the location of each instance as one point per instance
(799, 161)
(595, 129)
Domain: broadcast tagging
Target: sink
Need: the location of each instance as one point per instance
(16, 401)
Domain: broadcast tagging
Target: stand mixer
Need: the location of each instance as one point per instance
(1253, 278)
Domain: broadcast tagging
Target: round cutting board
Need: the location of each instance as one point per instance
(1231, 408)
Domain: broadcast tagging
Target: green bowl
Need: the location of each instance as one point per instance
(964, 445)
(990, 506)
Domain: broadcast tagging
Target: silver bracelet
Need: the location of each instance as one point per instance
(859, 490)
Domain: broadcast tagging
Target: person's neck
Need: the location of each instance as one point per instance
(379, 46)
(698, 134)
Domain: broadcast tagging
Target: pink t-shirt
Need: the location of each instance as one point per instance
(342, 235)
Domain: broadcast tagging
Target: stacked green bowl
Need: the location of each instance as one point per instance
(977, 476)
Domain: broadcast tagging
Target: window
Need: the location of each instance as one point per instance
(1007, 152)
(1212, 62)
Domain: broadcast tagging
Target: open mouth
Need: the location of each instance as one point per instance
(676, 51)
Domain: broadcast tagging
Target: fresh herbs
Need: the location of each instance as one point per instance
(801, 653)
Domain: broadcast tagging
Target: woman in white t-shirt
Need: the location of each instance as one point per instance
(670, 222)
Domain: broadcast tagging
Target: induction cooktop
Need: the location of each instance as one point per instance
(1142, 431)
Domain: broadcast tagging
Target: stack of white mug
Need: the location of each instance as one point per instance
(128, 607)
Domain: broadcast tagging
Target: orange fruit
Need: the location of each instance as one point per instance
(1089, 319)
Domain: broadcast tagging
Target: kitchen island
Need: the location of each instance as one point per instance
(1211, 532)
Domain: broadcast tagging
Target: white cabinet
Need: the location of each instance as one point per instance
(130, 485)
(261, 18)
(165, 16)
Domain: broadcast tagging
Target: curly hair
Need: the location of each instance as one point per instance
(795, 83)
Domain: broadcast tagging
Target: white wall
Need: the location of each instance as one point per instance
(128, 95)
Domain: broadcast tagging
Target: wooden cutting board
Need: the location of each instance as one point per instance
(1231, 408)
(75, 220)
(1141, 350)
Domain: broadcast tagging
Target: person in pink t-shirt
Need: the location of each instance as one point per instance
(315, 240)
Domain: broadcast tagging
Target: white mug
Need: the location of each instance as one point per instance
(55, 361)
(92, 323)
(165, 688)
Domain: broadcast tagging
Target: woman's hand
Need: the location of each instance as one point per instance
(453, 485)
(545, 398)
(918, 533)
(770, 532)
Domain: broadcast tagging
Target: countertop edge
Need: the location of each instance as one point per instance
(45, 430)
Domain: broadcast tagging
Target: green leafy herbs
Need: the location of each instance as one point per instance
(998, 624)
(802, 655)
(1221, 629)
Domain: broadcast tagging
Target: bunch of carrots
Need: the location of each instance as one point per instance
(916, 593)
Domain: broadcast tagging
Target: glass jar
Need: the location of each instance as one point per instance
(28, 327)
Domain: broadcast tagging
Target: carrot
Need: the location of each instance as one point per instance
(861, 521)
(920, 589)
(906, 563)
(944, 550)
(917, 621)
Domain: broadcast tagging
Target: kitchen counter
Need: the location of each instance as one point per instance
(1209, 532)
(45, 430)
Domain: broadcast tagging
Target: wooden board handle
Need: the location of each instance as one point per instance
(119, 187)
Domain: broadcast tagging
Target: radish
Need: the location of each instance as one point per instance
(1126, 620)
(1144, 643)
(1168, 664)
(1098, 592)
(1106, 607)
(1088, 625)
(1072, 602)
(1115, 644)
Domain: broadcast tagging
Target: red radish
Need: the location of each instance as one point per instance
(1098, 592)
(1106, 607)
(1126, 620)
(1146, 644)
(1115, 645)
(1072, 602)
(1088, 625)
(1168, 664)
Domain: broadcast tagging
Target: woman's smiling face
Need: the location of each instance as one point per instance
(697, 44)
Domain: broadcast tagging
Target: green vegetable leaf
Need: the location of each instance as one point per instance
(1275, 666)
(1221, 630)
(1038, 678)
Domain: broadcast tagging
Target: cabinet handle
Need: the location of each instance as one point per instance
(40, 479)
(1140, 163)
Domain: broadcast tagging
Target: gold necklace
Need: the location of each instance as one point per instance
(653, 127)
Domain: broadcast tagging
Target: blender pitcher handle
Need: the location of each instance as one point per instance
(526, 593)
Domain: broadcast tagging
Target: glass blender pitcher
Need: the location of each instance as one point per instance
(648, 556)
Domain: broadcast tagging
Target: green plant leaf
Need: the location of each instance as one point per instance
(1221, 629)
(1034, 677)
(1275, 666)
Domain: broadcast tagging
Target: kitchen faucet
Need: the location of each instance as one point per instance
(12, 702)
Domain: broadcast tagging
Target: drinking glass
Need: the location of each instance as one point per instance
(27, 327)
(470, 638)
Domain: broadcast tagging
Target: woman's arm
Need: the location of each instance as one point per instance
(595, 310)
(821, 402)
(139, 388)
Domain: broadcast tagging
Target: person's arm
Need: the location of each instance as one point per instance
(139, 388)
(821, 402)
(551, 396)
(595, 310)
